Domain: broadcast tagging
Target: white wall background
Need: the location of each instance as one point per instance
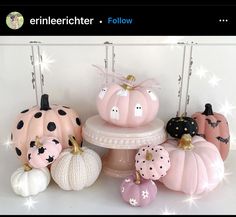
(72, 80)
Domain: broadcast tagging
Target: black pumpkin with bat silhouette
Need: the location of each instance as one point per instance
(214, 128)
(178, 126)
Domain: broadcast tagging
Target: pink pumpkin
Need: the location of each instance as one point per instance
(152, 162)
(196, 165)
(47, 120)
(138, 191)
(43, 151)
(125, 106)
(214, 128)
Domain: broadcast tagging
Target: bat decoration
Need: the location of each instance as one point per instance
(224, 140)
(213, 124)
(50, 159)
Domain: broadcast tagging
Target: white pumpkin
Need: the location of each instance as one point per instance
(76, 167)
(27, 181)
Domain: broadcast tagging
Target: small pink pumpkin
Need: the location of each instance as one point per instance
(125, 106)
(196, 165)
(138, 191)
(45, 120)
(214, 128)
(43, 151)
(152, 162)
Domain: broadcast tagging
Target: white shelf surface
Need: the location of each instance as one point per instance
(104, 196)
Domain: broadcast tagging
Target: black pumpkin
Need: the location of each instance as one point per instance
(178, 126)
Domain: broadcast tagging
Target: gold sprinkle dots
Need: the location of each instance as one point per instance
(176, 128)
(192, 122)
(185, 129)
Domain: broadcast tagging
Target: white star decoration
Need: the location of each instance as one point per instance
(30, 203)
(201, 72)
(122, 189)
(45, 62)
(8, 143)
(191, 200)
(127, 180)
(133, 202)
(226, 109)
(214, 80)
(145, 194)
(166, 211)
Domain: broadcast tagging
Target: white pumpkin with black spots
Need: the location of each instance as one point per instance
(45, 120)
(43, 151)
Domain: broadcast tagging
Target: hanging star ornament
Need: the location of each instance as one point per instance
(191, 200)
(45, 62)
(7, 143)
(227, 108)
(201, 72)
(214, 80)
(29, 203)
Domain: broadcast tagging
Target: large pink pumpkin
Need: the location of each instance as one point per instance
(196, 166)
(152, 162)
(138, 191)
(43, 151)
(125, 106)
(214, 128)
(47, 120)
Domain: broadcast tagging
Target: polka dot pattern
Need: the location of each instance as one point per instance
(51, 126)
(78, 121)
(61, 112)
(38, 115)
(25, 111)
(20, 125)
(18, 151)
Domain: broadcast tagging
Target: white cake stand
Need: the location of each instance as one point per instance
(122, 142)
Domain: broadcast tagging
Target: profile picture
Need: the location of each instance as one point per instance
(14, 20)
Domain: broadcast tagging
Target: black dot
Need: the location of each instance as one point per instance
(152, 148)
(137, 161)
(66, 107)
(18, 151)
(142, 174)
(51, 126)
(70, 143)
(168, 161)
(144, 161)
(29, 156)
(161, 149)
(78, 121)
(161, 175)
(148, 146)
(161, 167)
(25, 111)
(143, 149)
(150, 168)
(61, 112)
(32, 144)
(161, 157)
(153, 175)
(81, 144)
(20, 125)
(138, 153)
(141, 168)
(152, 159)
(11, 136)
(156, 150)
(54, 140)
(38, 115)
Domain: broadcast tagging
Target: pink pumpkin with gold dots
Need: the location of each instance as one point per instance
(45, 120)
(152, 162)
(43, 151)
(126, 105)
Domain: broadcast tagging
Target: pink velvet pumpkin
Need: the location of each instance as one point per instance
(125, 106)
(196, 165)
(138, 191)
(152, 162)
(47, 120)
(214, 128)
(43, 151)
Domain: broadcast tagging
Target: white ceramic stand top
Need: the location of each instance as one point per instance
(98, 132)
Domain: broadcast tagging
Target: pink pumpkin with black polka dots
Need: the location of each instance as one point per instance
(43, 151)
(152, 162)
(45, 120)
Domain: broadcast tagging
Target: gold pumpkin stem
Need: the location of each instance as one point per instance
(137, 178)
(27, 167)
(129, 78)
(148, 155)
(76, 148)
(186, 142)
(38, 143)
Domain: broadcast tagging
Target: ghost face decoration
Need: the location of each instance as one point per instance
(102, 93)
(138, 111)
(114, 113)
(123, 93)
(152, 95)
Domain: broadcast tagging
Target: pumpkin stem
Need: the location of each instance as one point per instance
(137, 178)
(130, 78)
(148, 155)
(208, 110)
(27, 167)
(44, 102)
(38, 143)
(186, 142)
(76, 148)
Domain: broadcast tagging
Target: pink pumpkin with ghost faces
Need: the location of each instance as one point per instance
(43, 151)
(125, 106)
(196, 165)
(152, 162)
(45, 120)
(137, 191)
